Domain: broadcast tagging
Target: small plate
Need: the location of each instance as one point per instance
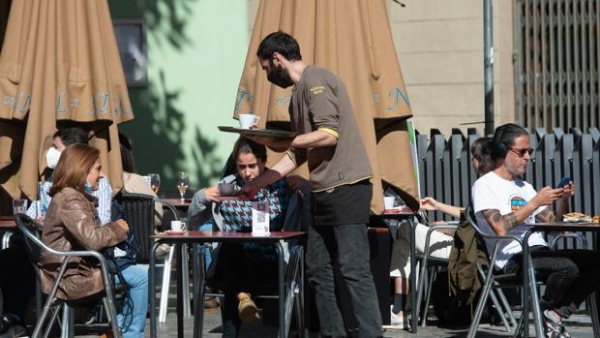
(175, 232)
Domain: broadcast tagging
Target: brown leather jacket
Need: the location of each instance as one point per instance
(72, 223)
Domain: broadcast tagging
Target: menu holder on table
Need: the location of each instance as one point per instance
(274, 133)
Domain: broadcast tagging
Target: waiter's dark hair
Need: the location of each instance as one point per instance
(281, 43)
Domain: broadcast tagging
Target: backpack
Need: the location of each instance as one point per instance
(468, 249)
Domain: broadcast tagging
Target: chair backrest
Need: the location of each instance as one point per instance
(31, 236)
(170, 213)
(138, 211)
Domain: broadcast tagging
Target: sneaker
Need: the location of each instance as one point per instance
(397, 321)
(247, 309)
(554, 327)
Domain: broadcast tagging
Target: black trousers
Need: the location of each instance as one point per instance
(570, 275)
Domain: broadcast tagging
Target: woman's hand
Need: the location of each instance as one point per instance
(429, 203)
(212, 194)
(122, 223)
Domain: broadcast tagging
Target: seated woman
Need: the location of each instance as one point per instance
(503, 203)
(72, 223)
(239, 264)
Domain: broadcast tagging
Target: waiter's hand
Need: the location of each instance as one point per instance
(249, 190)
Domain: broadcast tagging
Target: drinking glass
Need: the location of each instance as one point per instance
(154, 182)
(183, 181)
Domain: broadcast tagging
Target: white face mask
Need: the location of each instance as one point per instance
(52, 156)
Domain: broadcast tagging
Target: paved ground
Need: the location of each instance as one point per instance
(579, 327)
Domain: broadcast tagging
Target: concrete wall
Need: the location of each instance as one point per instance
(440, 50)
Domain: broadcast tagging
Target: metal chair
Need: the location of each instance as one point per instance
(138, 211)
(505, 280)
(164, 290)
(34, 246)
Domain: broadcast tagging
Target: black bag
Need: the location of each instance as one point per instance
(118, 261)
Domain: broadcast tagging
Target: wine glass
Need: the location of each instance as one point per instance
(154, 182)
(183, 181)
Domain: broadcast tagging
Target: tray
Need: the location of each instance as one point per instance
(283, 134)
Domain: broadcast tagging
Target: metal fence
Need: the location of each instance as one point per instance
(445, 171)
(556, 63)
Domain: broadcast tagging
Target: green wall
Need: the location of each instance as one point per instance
(196, 52)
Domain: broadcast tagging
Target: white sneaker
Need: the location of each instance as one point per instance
(398, 322)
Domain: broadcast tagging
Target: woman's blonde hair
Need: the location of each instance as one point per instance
(75, 163)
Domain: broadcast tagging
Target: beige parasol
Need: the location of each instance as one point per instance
(352, 38)
(59, 66)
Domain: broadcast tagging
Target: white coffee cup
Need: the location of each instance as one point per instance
(388, 202)
(248, 120)
(177, 226)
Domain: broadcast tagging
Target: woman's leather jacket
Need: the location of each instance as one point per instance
(72, 223)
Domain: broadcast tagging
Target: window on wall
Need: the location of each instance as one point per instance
(556, 63)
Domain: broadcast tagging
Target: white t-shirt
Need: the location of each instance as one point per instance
(491, 191)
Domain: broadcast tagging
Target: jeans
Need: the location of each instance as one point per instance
(571, 275)
(132, 317)
(348, 246)
(207, 251)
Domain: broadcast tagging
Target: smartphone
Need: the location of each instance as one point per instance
(563, 181)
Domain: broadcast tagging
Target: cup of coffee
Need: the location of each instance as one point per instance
(177, 226)
(19, 206)
(226, 189)
(248, 120)
(388, 202)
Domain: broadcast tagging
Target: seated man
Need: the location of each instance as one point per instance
(503, 202)
(238, 264)
(440, 244)
(60, 140)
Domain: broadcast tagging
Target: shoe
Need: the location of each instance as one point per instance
(398, 322)
(210, 303)
(109, 333)
(554, 327)
(247, 309)
(14, 332)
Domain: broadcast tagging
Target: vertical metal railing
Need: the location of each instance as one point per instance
(556, 65)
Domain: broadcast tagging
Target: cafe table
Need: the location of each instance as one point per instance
(200, 237)
(408, 216)
(528, 273)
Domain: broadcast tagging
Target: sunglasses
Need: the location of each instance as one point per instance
(521, 152)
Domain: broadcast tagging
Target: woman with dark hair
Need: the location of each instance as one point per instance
(135, 183)
(237, 265)
(503, 202)
(72, 223)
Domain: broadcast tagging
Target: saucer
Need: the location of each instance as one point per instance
(175, 232)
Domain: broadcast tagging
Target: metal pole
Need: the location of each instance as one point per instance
(488, 64)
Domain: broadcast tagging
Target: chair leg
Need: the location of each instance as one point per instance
(68, 321)
(164, 290)
(487, 286)
(594, 314)
(185, 277)
(111, 314)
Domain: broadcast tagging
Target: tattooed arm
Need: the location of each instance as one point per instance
(502, 224)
